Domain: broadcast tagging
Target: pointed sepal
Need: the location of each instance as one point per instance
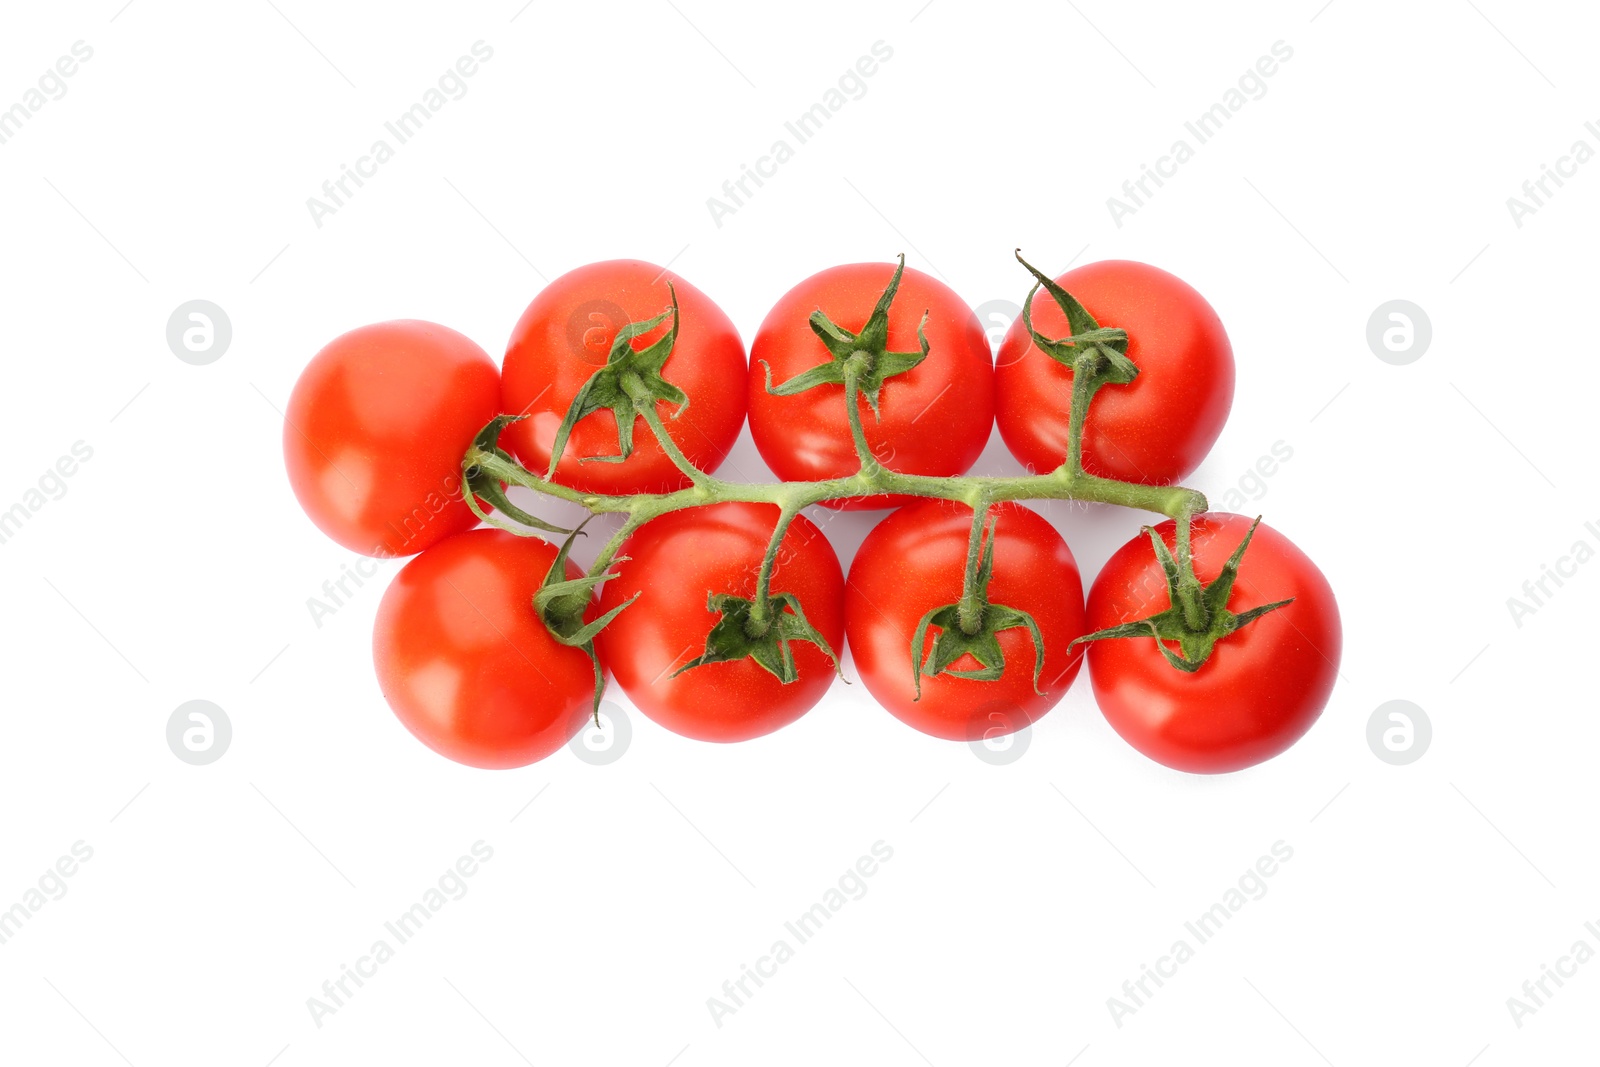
(734, 636)
(864, 354)
(1169, 627)
(630, 380)
(478, 484)
(1105, 347)
(561, 603)
(951, 643)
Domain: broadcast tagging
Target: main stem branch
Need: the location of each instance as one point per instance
(1175, 502)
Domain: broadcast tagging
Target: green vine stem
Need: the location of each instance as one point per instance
(631, 385)
(1174, 502)
(969, 611)
(858, 432)
(646, 404)
(1084, 386)
(1188, 590)
(759, 620)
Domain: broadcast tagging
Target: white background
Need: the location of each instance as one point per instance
(1019, 898)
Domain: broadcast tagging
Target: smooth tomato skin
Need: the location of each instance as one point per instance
(464, 661)
(1155, 430)
(911, 563)
(1263, 686)
(565, 335)
(676, 561)
(375, 431)
(935, 417)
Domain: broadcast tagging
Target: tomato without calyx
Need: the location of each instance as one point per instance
(675, 562)
(932, 419)
(1263, 685)
(566, 334)
(1156, 429)
(375, 431)
(465, 661)
(912, 563)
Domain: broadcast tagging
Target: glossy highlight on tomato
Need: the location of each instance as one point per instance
(1264, 685)
(674, 562)
(466, 663)
(565, 335)
(1156, 429)
(913, 562)
(933, 419)
(375, 431)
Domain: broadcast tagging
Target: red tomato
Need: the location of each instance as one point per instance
(676, 561)
(935, 418)
(1264, 685)
(1156, 429)
(912, 563)
(565, 335)
(375, 432)
(466, 663)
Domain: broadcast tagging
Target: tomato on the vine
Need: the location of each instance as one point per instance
(1263, 686)
(674, 563)
(566, 334)
(912, 563)
(1153, 430)
(465, 661)
(375, 431)
(933, 419)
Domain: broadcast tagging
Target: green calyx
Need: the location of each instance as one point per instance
(561, 603)
(739, 634)
(862, 358)
(630, 385)
(1197, 639)
(972, 628)
(478, 484)
(1091, 348)
(1098, 355)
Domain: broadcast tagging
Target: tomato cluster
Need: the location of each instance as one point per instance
(725, 611)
